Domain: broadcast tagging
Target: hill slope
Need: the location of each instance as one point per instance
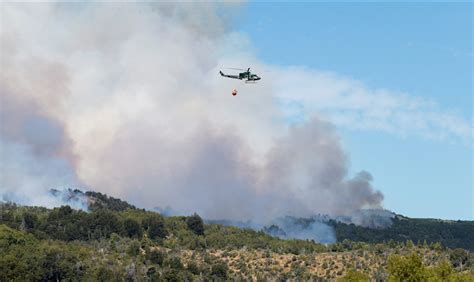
(132, 244)
(453, 234)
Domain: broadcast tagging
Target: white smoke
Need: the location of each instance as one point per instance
(303, 229)
(125, 99)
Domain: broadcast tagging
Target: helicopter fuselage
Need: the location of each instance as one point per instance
(247, 76)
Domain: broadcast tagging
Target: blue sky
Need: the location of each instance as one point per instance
(422, 49)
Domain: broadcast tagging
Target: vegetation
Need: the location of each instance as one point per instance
(196, 224)
(114, 243)
(452, 234)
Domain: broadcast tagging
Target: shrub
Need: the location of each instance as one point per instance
(219, 271)
(156, 257)
(134, 248)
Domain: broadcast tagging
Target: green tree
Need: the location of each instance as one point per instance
(443, 270)
(132, 228)
(436, 246)
(196, 224)
(30, 220)
(155, 226)
(406, 268)
(59, 265)
(102, 223)
(459, 257)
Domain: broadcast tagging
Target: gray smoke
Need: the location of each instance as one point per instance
(315, 228)
(303, 229)
(125, 99)
(35, 151)
(373, 218)
(73, 198)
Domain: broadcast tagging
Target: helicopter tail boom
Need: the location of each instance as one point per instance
(229, 76)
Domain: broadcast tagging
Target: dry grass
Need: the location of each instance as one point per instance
(271, 265)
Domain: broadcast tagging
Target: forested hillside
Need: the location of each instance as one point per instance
(111, 244)
(453, 234)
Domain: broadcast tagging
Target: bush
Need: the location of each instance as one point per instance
(354, 276)
(156, 257)
(219, 271)
(134, 248)
(459, 257)
(193, 268)
(175, 263)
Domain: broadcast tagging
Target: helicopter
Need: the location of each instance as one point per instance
(247, 76)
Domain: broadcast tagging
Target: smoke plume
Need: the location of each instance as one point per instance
(125, 99)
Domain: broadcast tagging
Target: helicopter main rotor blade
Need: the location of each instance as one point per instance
(235, 69)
